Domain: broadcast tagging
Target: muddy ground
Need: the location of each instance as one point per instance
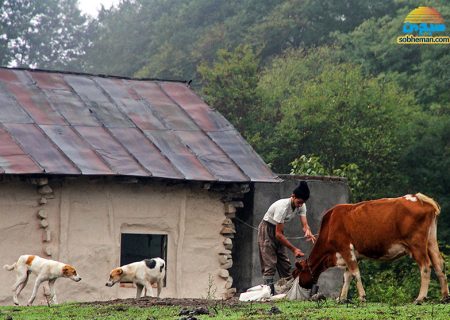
(188, 308)
(149, 301)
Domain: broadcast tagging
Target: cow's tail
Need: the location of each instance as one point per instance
(427, 199)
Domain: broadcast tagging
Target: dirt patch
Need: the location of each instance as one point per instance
(188, 309)
(146, 302)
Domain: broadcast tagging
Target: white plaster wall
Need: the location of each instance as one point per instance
(86, 220)
(19, 230)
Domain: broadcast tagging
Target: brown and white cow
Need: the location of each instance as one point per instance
(383, 229)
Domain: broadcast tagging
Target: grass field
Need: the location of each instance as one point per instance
(217, 311)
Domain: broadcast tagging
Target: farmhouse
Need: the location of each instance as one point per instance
(100, 171)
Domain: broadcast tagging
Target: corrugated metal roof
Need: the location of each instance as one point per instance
(80, 124)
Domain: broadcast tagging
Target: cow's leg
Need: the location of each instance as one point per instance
(345, 287)
(352, 266)
(420, 255)
(438, 263)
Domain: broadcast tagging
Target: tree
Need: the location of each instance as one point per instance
(311, 166)
(331, 109)
(420, 68)
(301, 24)
(229, 85)
(170, 38)
(423, 70)
(426, 164)
(122, 37)
(45, 34)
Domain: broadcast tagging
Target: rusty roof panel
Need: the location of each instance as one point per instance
(35, 103)
(8, 76)
(171, 114)
(243, 155)
(11, 112)
(97, 102)
(79, 152)
(65, 123)
(179, 155)
(12, 158)
(146, 153)
(116, 88)
(111, 151)
(205, 117)
(39, 147)
(49, 80)
(71, 108)
(212, 157)
(130, 104)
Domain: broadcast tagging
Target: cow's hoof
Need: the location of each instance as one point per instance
(318, 297)
(445, 300)
(344, 301)
(418, 302)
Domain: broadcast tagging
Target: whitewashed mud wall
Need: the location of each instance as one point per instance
(79, 221)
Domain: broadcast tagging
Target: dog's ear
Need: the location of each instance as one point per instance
(64, 270)
(68, 270)
(150, 263)
(118, 271)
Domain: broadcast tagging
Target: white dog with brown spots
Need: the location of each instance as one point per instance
(143, 274)
(44, 269)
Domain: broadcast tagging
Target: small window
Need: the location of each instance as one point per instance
(137, 247)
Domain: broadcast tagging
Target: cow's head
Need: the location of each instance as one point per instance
(303, 272)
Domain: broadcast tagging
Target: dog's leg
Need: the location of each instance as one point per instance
(38, 282)
(139, 288)
(160, 283)
(149, 288)
(21, 282)
(51, 285)
(19, 289)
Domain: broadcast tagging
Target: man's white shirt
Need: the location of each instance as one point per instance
(281, 212)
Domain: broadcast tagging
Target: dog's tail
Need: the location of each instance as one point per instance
(9, 267)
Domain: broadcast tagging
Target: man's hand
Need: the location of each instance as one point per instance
(298, 253)
(308, 235)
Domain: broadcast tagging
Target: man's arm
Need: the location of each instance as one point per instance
(307, 229)
(279, 234)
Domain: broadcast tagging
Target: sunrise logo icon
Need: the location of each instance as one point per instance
(420, 25)
(424, 21)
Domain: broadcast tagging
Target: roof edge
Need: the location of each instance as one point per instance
(100, 75)
(306, 177)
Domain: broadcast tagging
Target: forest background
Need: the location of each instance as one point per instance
(316, 87)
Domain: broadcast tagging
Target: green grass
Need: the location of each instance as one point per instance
(289, 310)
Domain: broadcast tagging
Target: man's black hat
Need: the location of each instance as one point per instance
(302, 191)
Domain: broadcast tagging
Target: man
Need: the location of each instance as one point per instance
(272, 243)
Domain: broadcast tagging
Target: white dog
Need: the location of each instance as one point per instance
(143, 274)
(44, 269)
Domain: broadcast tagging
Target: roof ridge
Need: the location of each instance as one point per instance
(100, 75)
